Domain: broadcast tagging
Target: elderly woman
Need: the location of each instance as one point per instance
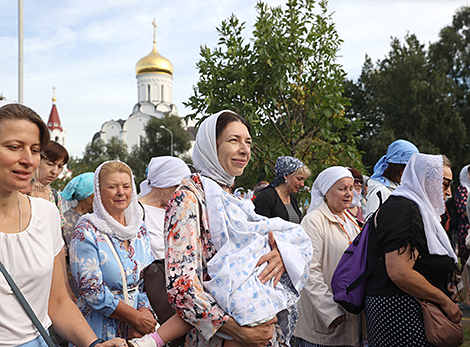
(415, 255)
(164, 175)
(31, 242)
(79, 190)
(53, 159)
(460, 199)
(108, 249)
(387, 174)
(322, 322)
(278, 199)
(246, 279)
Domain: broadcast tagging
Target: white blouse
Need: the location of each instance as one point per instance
(154, 220)
(29, 258)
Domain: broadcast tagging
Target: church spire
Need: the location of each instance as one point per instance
(54, 120)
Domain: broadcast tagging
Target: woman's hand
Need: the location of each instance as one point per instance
(132, 333)
(117, 342)
(275, 267)
(452, 310)
(257, 336)
(338, 321)
(144, 323)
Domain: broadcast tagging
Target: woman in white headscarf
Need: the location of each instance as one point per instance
(164, 175)
(110, 246)
(460, 199)
(416, 259)
(201, 216)
(322, 322)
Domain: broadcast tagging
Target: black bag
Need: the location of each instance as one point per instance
(155, 287)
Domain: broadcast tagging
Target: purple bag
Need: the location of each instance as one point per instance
(350, 277)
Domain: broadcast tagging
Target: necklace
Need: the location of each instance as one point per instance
(19, 209)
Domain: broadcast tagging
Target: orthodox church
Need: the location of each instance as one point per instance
(154, 75)
(57, 133)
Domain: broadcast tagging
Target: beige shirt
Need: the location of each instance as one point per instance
(317, 310)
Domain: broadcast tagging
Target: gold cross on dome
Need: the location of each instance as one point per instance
(154, 29)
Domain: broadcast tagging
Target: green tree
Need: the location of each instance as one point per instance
(157, 142)
(450, 54)
(97, 152)
(286, 82)
(402, 96)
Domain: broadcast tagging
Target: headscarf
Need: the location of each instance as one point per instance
(399, 152)
(464, 178)
(422, 183)
(164, 172)
(324, 182)
(79, 188)
(205, 157)
(106, 224)
(285, 166)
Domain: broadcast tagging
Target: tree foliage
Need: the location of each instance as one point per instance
(157, 142)
(286, 82)
(402, 96)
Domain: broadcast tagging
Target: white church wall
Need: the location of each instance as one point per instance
(111, 129)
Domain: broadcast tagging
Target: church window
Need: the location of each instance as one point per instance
(148, 87)
(56, 139)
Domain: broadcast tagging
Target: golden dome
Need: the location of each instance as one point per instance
(154, 62)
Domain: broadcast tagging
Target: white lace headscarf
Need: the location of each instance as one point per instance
(205, 157)
(106, 224)
(324, 182)
(422, 183)
(464, 178)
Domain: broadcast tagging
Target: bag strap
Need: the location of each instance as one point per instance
(369, 270)
(26, 306)
(121, 268)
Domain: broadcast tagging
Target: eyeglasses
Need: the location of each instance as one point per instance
(358, 182)
(447, 182)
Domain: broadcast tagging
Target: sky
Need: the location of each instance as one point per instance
(88, 49)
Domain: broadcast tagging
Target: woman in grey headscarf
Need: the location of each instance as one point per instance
(200, 217)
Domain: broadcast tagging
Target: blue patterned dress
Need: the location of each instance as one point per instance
(98, 278)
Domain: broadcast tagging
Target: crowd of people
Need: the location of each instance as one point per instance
(240, 269)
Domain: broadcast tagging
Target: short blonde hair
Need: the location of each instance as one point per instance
(113, 167)
(302, 170)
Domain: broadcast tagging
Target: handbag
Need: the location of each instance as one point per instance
(26, 306)
(440, 330)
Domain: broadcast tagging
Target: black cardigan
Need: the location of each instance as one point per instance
(269, 204)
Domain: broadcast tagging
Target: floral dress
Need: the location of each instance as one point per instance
(460, 200)
(189, 247)
(98, 278)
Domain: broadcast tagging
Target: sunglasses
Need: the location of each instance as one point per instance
(358, 182)
(447, 182)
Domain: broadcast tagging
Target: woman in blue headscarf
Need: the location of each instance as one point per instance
(387, 174)
(278, 199)
(79, 189)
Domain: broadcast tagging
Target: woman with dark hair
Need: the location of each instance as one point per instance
(225, 274)
(416, 258)
(387, 174)
(53, 159)
(278, 199)
(31, 241)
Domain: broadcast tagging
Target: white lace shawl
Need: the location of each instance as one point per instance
(422, 183)
(103, 221)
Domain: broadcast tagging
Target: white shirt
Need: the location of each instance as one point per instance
(154, 220)
(29, 258)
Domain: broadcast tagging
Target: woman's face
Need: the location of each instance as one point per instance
(49, 170)
(116, 192)
(20, 150)
(295, 182)
(88, 203)
(447, 182)
(234, 148)
(339, 196)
